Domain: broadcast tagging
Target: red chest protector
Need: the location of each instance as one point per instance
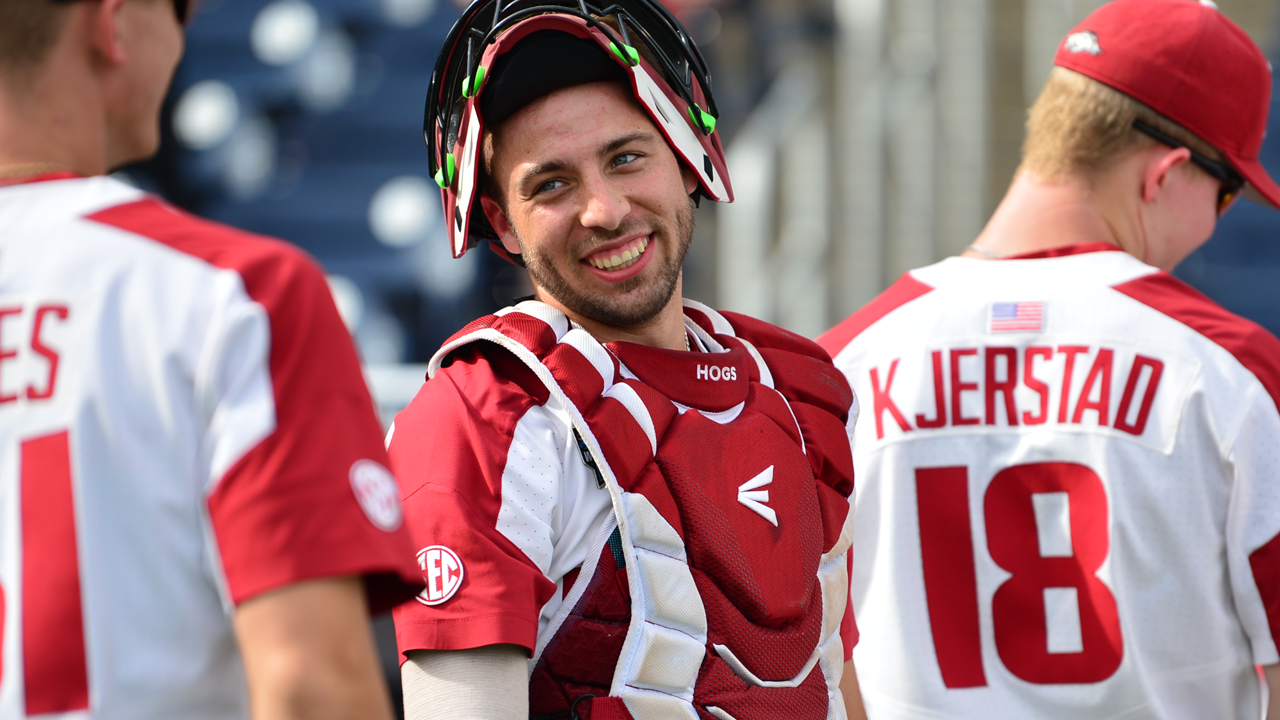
(718, 589)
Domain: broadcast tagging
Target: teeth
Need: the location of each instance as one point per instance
(623, 259)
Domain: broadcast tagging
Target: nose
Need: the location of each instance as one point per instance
(604, 204)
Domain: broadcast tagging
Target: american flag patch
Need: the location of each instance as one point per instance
(1017, 317)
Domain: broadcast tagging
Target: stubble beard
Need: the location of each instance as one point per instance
(626, 308)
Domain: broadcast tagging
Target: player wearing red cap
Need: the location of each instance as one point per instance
(195, 513)
(1067, 502)
(644, 496)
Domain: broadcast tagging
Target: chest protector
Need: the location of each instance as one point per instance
(718, 588)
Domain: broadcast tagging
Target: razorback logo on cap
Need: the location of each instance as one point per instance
(442, 570)
(1083, 41)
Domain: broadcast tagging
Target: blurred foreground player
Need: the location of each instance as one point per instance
(645, 496)
(196, 515)
(1069, 502)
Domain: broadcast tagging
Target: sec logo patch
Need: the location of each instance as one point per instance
(378, 494)
(442, 569)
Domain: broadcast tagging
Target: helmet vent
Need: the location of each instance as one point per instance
(658, 106)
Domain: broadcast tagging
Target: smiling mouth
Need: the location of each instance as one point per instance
(622, 257)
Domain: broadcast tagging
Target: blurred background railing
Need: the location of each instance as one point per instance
(865, 137)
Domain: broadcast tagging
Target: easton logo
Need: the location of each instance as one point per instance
(715, 372)
(442, 569)
(750, 494)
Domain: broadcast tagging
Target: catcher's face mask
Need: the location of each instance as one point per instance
(485, 73)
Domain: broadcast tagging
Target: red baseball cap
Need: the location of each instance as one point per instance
(1188, 62)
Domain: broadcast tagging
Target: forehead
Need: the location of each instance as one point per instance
(569, 123)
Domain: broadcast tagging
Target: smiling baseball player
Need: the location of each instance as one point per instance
(646, 497)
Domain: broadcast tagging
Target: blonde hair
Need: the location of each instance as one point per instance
(1079, 127)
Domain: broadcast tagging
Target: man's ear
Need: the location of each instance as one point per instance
(498, 221)
(689, 177)
(104, 30)
(1158, 169)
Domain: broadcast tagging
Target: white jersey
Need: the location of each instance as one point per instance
(183, 426)
(1067, 499)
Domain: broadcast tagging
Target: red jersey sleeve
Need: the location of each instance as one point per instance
(449, 449)
(311, 499)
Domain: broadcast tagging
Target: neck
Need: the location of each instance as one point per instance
(665, 330)
(54, 118)
(1038, 215)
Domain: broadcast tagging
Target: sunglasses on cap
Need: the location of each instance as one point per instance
(1230, 181)
(181, 8)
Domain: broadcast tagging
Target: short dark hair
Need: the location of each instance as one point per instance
(28, 31)
(538, 65)
(584, 61)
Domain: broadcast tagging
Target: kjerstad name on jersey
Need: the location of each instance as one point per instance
(1010, 386)
(28, 353)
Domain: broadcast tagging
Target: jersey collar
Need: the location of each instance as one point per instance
(39, 177)
(1064, 250)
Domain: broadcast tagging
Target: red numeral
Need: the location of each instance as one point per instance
(950, 582)
(1018, 607)
(53, 651)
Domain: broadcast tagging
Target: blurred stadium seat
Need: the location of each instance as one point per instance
(288, 118)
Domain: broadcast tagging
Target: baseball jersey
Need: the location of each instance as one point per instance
(500, 492)
(1067, 502)
(183, 426)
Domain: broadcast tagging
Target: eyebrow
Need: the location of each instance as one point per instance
(613, 145)
(627, 139)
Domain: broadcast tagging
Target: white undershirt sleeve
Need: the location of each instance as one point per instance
(486, 683)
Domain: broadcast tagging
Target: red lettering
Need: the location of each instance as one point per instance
(6, 353)
(881, 401)
(940, 403)
(1005, 388)
(53, 649)
(49, 353)
(1101, 370)
(1144, 410)
(958, 387)
(950, 579)
(1064, 401)
(1017, 608)
(1031, 381)
(1018, 618)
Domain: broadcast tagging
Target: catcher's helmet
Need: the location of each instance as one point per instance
(669, 79)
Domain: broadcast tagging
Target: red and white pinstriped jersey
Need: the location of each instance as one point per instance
(1067, 502)
(183, 426)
